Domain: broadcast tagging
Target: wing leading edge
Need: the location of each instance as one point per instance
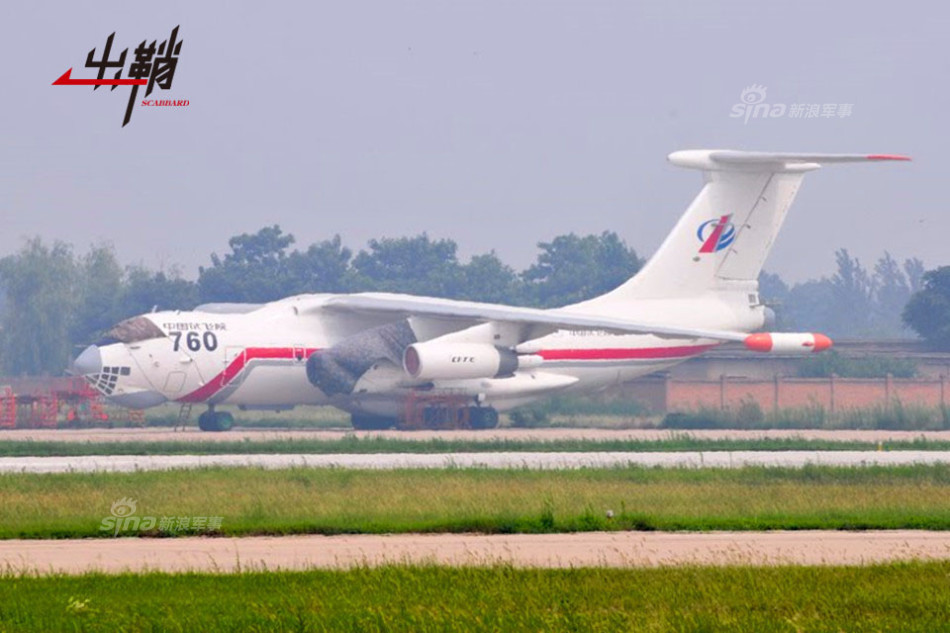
(402, 306)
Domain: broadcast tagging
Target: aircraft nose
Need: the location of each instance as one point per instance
(89, 362)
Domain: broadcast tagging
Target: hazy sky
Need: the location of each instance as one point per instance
(497, 124)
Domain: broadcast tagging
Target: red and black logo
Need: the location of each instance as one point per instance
(154, 65)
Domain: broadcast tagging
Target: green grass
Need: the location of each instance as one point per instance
(905, 597)
(356, 444)
(599, 412)
(834, 363)
(166, 415)
(333, 501)
(748, 414)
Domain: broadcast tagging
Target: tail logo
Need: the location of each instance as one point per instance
(716, 234)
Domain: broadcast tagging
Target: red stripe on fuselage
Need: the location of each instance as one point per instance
(237, 365)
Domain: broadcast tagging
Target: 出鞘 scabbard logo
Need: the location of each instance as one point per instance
(151, 65)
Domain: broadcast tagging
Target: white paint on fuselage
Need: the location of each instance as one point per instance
(258, 359)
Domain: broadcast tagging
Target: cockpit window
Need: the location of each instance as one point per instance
(134, 330)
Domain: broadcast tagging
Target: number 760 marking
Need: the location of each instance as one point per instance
(194, 341)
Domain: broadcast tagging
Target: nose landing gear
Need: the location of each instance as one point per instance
(212, 420)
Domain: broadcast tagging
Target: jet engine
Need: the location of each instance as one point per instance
(456, 361)
(336, 370)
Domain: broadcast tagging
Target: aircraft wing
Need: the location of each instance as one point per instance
(402, 306)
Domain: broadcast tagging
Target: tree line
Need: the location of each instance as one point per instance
(53, 300)
(854, 302)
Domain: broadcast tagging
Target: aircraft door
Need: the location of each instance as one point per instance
(173, 373)
(234, 360)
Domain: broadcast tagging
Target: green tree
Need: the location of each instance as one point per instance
(852, 295)
(810, 306)
(772, 287)
(99, 283)
(487, 278)
(571, 268)
(774, 293)
(914, 270)
(322, 267)
(265, 248)
(852, 303)
(253, 272)
(833, 363)
(145, 290)
(893, 287)
(41, 298)
(415, 265)
(928, 311)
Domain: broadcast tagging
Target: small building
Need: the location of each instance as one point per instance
(735, 361)
(730, 375)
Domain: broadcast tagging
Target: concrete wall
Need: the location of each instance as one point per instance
(664, 394)
(732, 360)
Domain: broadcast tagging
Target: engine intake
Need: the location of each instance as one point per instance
(336, 370)
(456, 361)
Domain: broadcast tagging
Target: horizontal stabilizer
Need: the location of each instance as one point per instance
(720, 244)
(726, 159)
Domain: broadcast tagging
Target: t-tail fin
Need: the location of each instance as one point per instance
(726, 233)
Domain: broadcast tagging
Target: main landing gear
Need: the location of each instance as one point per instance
(482, 417)
(212, 420)
(366, 422)
(448, 417)
(430, 417)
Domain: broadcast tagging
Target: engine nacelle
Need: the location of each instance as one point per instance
(787, 342)
(455, 361)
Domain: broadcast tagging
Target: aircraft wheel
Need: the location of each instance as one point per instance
(206, 421)
(215, 421)
(225, 421)
(363, 422)
(483, 418)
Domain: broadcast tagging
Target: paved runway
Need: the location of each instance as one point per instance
(616, 549)
(164, 434)
(552, 460)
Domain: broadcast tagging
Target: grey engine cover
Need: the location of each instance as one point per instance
(337, 369)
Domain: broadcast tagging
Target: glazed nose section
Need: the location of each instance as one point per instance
(89, 362)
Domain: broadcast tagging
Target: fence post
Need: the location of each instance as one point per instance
(887, 389)
(831, 384)
(667, 379)
(943, 389)
(722, 392)
(775, 394)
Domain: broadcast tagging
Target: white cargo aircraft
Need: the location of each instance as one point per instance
(391, 359)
